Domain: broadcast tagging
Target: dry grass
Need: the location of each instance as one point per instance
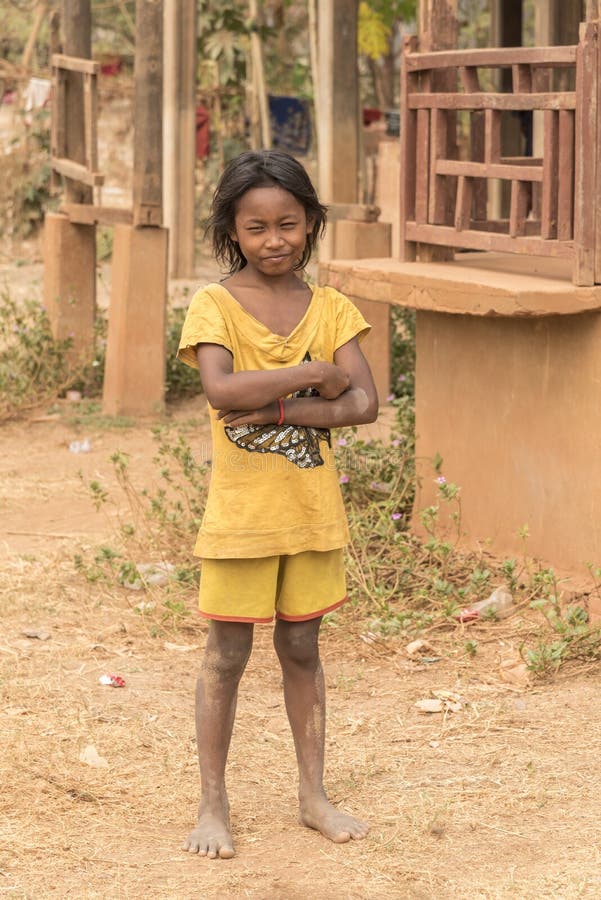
(498, 800)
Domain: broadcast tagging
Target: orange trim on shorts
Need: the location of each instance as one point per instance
(313, 615)
(234, 618)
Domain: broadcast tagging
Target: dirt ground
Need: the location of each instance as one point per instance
(498, 800)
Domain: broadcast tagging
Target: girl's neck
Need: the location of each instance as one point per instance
(249, 277)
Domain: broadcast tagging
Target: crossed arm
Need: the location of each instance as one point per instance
(347, 392)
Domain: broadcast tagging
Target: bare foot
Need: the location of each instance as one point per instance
(318, 813)
(211, 837)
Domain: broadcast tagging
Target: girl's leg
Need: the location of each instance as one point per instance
(226, 654)
(296, 644)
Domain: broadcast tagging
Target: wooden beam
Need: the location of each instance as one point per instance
(586, 161)
(565, 190)
(148, 114)
(437, 28)
(74, 64)
(339, 101)
(355, 212)
(471, 239)
(547, 100)
(487, 170)
(555, 56)
(551, 175)
(76, 21)
(180, 57)
(258, 73)
(520, 201)
(82, 214)
(407, 195)
(76, 172)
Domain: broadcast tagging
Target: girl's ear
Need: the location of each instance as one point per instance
(310, 224)
(233, 236)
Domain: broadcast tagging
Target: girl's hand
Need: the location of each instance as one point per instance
(267, 415)
(330, 380)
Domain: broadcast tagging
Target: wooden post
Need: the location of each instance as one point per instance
(585, 213)
(148, 114)
(338, 125)
(438, 31)
(592, 11)
(179, 133)
(314, 57)
(76, 22)
(258, 74)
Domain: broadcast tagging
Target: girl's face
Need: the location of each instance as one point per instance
(271, 228)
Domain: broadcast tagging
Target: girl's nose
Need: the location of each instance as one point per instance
(274, 238)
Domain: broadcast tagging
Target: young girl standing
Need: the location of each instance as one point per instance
(280, 365)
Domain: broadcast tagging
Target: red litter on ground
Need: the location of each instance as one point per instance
(112, 680)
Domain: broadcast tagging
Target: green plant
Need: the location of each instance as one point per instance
(402, 361)
(34, 367)
(180, 380)
(575, 637)
(25, 185)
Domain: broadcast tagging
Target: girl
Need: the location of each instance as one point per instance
(280, 365)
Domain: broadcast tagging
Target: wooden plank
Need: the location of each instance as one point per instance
(596, 200)
(89, 124)
(422, 164)
(437, 29)
(470, 82)
(523, 160)
(84, 214)
(501, 226)
(565, 188)
(442, 59)
(470, 239)
(75, 64)
(521, 78)
(518, 210)
(492, 137)
(547, 100)
(489, 170)
(408, 120)
(550, 175)
(586, 157)
(463, 203)
(76, 171)
(148, 114)
(439, 197)
(356, 212)
(76, 22)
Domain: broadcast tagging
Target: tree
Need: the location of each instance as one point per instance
(379, 28)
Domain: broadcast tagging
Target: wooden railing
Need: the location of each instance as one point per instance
(553, 197)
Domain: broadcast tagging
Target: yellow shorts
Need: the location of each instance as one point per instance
(297, 587)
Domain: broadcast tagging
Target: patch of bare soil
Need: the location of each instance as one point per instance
(496, 800)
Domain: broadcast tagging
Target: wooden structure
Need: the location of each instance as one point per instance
(553, 198)
(135, 356)
(508, 338)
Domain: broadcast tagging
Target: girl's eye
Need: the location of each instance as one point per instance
(288, 224)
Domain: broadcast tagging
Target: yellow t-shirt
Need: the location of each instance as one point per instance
(274, 489)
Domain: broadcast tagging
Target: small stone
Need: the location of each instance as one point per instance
(89, 755)
(36, 633)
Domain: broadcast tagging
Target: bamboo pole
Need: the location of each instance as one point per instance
(258, 74)
(38, 17)
(314, 57)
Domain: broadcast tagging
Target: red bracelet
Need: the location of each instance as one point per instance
(281, 407)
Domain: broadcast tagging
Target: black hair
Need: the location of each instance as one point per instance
(253, 169)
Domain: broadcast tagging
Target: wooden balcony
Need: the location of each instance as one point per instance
(445, 199)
